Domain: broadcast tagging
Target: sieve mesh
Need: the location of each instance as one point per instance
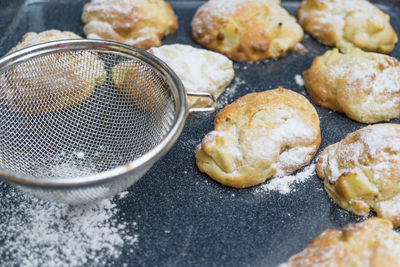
(82, 112)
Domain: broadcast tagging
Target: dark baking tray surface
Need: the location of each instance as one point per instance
(183, 217)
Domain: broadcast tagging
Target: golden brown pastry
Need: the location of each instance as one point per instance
(200, 70)
(363, 85)
(246, 30)
(347, 24)
(260, 135)
(54, 82)
(141, 23)
(362, 171)
(372, 243)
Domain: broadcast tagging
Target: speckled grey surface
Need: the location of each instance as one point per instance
(183, 217)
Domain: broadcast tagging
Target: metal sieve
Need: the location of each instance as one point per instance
(81, 120)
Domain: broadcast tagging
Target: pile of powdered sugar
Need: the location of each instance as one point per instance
(40, 233)
(299, 80)
(70, 169)
(285, 184)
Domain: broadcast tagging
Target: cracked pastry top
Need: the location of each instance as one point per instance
(361, 173)
(140, 23)
(246, 30)
(347, 24)
(260, 135)
(363, 85)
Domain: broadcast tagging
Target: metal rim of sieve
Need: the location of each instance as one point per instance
(148, 158)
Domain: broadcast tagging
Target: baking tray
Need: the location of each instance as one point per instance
(183, 217)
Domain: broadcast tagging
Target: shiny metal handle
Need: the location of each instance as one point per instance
(212, 107)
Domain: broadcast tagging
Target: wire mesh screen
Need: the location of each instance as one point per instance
(80, 113)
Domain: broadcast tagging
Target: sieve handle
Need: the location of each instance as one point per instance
(211, 108)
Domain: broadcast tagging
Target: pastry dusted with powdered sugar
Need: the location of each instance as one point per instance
(246, 30)
(140, 23)
(200, 70)
(347, 24)
(260, 135)
(362, 172)
(363, 85)
(369, 243)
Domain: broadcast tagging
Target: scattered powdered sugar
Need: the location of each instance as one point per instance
(190, 144)
(229, 93)
(284, 184)
(123, 194)
(299, 80)
(39, 233)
